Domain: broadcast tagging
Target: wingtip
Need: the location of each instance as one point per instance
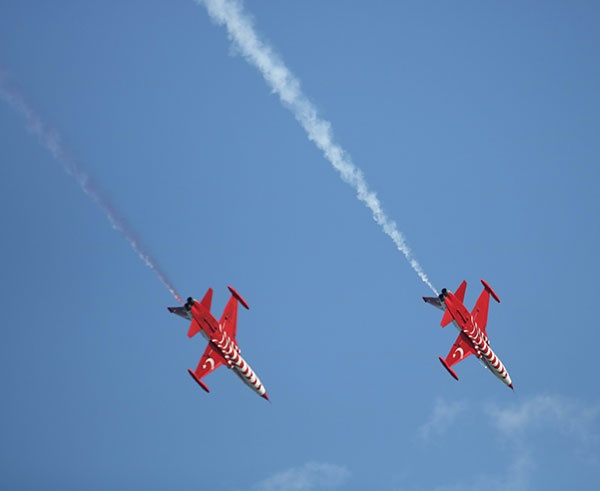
(198, 381)
(447, 367)
(238, 297)
(491, 290)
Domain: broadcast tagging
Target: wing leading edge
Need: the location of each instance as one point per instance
(480, 311)
(460, 350)
(211, 360)
(228, 320)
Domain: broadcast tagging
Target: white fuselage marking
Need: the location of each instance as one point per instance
(484, 352)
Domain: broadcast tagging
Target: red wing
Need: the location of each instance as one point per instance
(229, 318)
(210, 360)
(460, 350)
(480, 311)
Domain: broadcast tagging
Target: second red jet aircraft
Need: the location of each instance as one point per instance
(222, 346)
(472, 327)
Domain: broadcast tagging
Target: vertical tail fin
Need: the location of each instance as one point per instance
(206, 303)
(460, 291)
(460, 295)
(207, 300)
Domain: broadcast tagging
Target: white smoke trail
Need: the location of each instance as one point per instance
(283, 82)
(51, 140)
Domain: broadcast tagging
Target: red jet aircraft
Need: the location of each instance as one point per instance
(222, 346)
(472, 327)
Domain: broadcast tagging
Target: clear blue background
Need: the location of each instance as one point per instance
(477, 123)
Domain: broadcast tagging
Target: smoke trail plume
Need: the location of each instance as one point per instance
(283, 82)
(51, 140)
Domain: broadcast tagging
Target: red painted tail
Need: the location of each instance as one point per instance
(206, 303)
(460, 295)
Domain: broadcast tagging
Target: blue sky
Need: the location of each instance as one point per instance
(475, 123)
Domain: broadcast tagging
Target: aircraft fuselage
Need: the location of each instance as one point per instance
(227, 347)
(463, 321)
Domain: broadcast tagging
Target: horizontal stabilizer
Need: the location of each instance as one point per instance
(447, 319)
(181, 312)
(435, 301)
(194, 328)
